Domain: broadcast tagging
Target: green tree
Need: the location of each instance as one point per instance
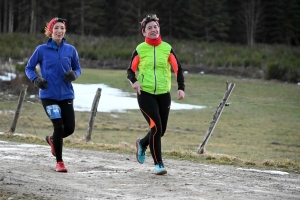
(251, 15)
(283, 22)
(291, 22)
(238, 21)
(207, 20)
(124, 23)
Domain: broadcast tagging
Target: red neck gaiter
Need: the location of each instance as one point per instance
(153, 42)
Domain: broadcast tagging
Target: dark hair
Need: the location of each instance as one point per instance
(147, 19)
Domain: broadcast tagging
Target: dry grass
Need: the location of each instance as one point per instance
(258, 129)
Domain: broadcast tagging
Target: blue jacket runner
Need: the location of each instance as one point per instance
(54, 63)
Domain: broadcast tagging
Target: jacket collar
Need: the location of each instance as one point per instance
(50, 44)
(153, 42)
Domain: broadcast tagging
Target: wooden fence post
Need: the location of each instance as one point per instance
(18, 110)
(216, 117)
(93, 114)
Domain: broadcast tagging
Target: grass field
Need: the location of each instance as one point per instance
(260, 128)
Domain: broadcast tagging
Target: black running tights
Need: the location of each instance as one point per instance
(64, 126)
(155, 109)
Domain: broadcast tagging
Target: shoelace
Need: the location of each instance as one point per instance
(161, 165)
(143, 151)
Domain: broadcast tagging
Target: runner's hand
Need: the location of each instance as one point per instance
(137, 86)
(40, 83)
(70, 76)
(180, 94)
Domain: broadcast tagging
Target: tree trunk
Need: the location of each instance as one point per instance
(5, 16)
(33, 17)
(82, 17)
(139, 17)
(170, 20)
(251, 16)
(1, 7)
(11, 17)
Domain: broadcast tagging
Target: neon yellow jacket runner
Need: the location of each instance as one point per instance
(154, 64)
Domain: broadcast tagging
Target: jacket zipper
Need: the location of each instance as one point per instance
(59, 59)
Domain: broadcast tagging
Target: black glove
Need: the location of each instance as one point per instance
(70, 76)
(40, 83)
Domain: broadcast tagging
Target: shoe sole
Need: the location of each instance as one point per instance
(161, 172)
(64, 170)
(51, 145)
(137, 150)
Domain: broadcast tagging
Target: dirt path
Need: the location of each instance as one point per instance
(92, 175)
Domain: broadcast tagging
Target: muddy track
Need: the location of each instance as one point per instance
(92, 175)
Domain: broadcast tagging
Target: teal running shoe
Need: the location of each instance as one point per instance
(160, 169)
(140, 152)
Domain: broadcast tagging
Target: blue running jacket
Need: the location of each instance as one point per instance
(54, 63)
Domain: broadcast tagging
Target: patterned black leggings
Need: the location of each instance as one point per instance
(64, 126)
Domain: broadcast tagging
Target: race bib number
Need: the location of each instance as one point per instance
(53, 111)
